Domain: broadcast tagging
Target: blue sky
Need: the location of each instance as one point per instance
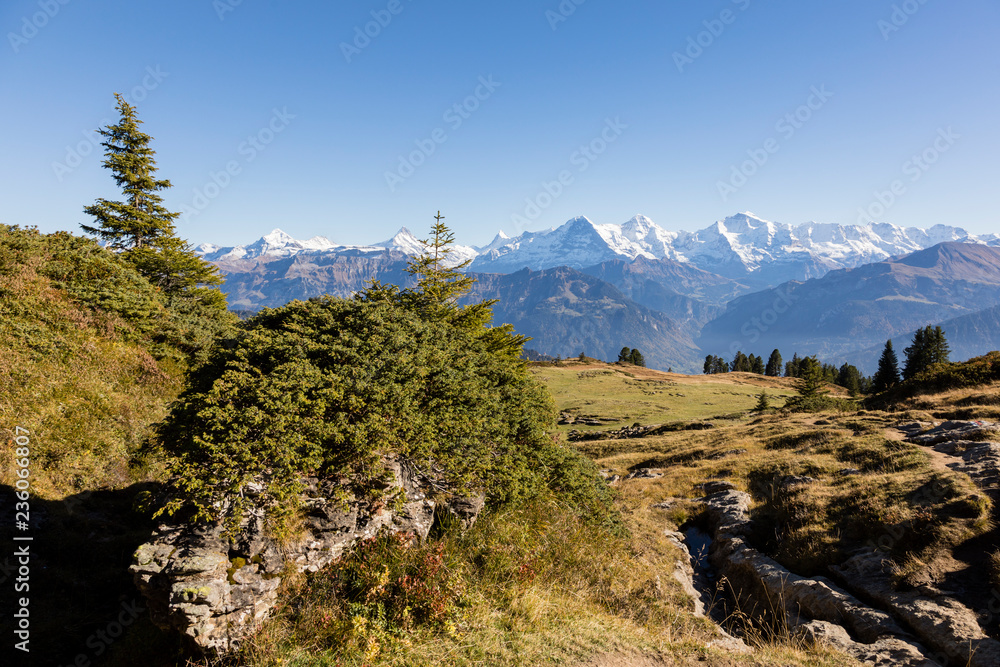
(263, 118)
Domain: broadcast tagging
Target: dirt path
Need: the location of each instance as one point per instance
(939, 460)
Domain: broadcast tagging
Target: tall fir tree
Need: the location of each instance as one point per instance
(887, 375)
(940, 350)
(141, 227)
(929, 347)
(141, 219)
(773, 368)
(917, 354)
(792, 367)
(740, 363)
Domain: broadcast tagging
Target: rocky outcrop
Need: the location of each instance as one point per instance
(968, 441)
(924, 433)
(633, 431)
(815, 608)
(950, 628)
(693, 583)
(213, 590)
(886, 652)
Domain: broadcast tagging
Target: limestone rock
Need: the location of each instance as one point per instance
(213, 590)
(822, 610)
(466, 510)
(645, 473)
(946, 625)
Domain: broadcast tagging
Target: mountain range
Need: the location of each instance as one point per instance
(741, 247)
(583, 287)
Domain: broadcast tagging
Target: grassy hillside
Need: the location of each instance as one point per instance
(864, 479)
(91, 355)
(533, 584)
(823, 485)
(78, 373)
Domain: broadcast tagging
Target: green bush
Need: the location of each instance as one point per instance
(332, 386)
(179, 327)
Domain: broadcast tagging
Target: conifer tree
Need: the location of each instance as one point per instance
(849, 377)
(888, 370)
(756, 364)
(928, 347)
(940, 351)
(740, 364)
(141, 227)
(811, 378)
(625, 353)
(636, 359)
(792, 367)
(773, 368)
(763, 402)
(439, 286)
(438, 291)
(917, 354)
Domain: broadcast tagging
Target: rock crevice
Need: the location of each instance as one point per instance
(814, 608)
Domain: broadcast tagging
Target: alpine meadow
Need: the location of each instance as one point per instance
(386, 334)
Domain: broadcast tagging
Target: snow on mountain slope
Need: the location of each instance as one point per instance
(405, 242)
(279, 245)
(576, 244)
(652, 238)
(741, 246)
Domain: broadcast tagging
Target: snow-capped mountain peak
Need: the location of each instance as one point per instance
(277, 238)
(403, 241)
(740, 246)
(497, 241)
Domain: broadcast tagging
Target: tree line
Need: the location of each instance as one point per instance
(928, 347)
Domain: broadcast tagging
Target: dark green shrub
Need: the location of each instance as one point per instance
(331, 386)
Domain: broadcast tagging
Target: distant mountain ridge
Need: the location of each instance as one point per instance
(741, 284)
(742, 247)
(849, 310)
(279, 245)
